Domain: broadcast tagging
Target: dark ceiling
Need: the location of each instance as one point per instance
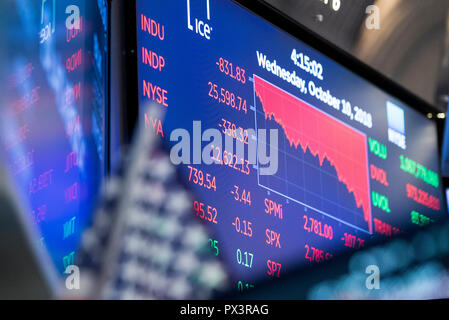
(410, 46)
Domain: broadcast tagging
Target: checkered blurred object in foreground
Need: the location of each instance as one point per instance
(144, 242)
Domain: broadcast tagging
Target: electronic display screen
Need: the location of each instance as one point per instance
(293, 159)
(52, 113)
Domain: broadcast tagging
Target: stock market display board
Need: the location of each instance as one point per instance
(53, 58)
(292, 157)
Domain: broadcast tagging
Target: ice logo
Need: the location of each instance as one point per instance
(396, 125)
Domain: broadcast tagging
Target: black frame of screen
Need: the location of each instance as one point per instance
(272, 15)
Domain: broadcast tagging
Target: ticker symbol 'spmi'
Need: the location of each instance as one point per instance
(198, 25)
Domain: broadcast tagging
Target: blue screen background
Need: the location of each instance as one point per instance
(237, 35)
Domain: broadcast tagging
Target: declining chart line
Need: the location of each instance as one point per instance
(326, 137)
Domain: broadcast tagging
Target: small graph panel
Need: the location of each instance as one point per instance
(323, 162)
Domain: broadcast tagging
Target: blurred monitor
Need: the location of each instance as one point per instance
(53, 116)
(345, 158)
(445, 151)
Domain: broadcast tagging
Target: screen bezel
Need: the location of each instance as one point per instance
(302, 33)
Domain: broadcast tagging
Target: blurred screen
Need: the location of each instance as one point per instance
(52, 113)
(339, 162)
